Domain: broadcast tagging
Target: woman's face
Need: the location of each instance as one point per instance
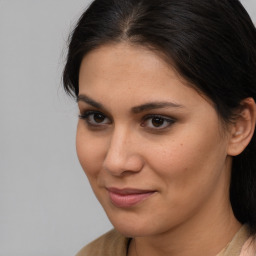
(152, 148)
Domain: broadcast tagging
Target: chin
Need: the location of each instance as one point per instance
(133, 230)
(131, 225)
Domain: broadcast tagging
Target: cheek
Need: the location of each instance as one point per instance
(191, 172)
(90, 152)
(188, 161)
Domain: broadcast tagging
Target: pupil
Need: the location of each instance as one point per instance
(157, 121)
(98, 118)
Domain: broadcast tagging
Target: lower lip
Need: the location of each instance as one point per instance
(128, 200)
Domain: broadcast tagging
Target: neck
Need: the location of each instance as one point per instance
(188, 241)
(208, 240)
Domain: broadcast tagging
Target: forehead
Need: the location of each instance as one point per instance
(124, 64)
(124, 59)
(123, 71)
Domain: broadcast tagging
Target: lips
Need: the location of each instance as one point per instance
(125, 198)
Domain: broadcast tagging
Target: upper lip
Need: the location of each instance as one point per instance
(128, 191)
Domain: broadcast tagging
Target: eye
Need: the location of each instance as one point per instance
(157, 122)
(95, 118)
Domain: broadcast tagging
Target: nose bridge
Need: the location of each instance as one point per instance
(122, 155)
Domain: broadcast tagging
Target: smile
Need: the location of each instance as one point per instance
(125, 198)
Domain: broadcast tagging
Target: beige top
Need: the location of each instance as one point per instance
(115, 244)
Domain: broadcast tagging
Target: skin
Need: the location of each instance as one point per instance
(185, 158)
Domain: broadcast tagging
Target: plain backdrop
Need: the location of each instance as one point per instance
(47, 206)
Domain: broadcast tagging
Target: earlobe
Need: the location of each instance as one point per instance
(243, 127)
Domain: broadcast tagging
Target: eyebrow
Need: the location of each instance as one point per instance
(155, 105)
(89, 101)
(135, 110)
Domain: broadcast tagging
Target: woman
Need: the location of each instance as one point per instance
(166, 91)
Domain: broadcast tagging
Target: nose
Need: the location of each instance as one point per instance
(122, 156)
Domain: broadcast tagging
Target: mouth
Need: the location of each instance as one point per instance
(128, 197)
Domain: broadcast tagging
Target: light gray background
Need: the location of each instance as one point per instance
(47, 207)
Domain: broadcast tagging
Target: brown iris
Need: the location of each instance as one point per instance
(98, 118)
(157, 121)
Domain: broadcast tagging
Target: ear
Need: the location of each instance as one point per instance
(242, 129)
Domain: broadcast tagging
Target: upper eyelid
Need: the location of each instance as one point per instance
(91, 112)
(84, 107)
(88, 112)
(167, 119)
(144, 117)
(148, 116)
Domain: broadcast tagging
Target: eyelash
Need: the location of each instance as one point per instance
(85, 116)
(166, 120)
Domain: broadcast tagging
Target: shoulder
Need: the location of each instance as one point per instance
(242, 244)
(249, 247)
(110, 244)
